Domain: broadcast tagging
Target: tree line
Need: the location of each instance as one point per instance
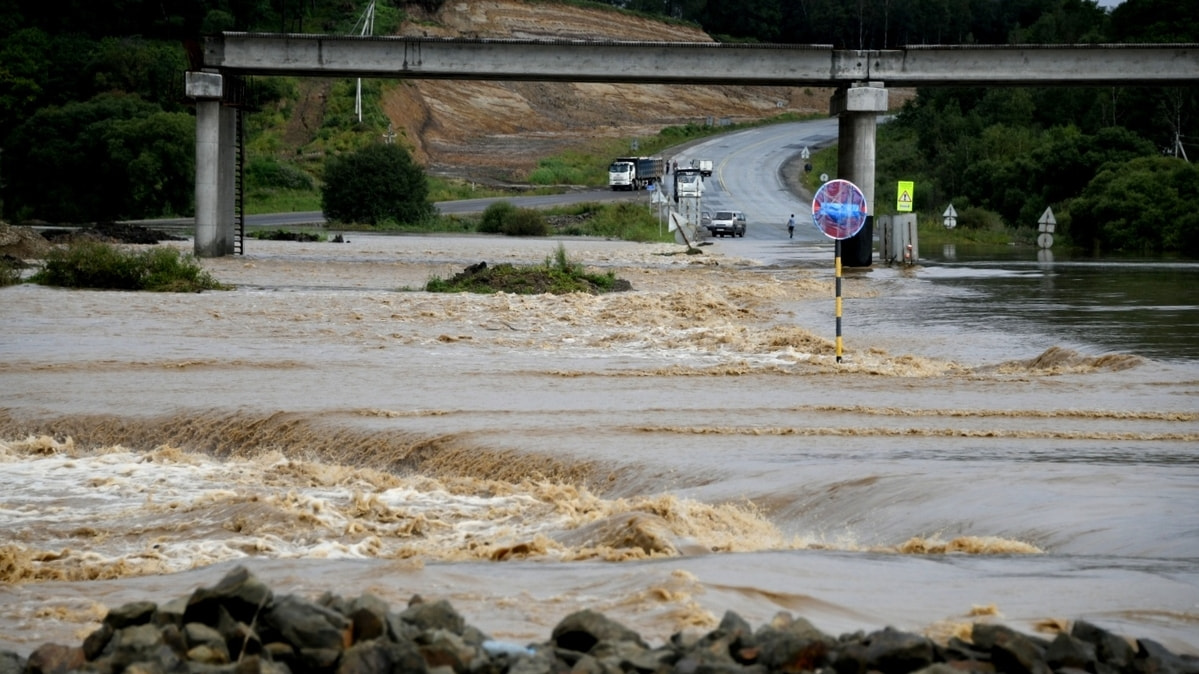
(94, 124)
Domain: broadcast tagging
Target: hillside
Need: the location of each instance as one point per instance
(495, 130)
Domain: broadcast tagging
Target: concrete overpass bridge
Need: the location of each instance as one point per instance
(860, 79)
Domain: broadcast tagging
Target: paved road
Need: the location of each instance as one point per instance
(747, 175)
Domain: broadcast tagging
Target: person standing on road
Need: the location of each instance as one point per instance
(791, 227)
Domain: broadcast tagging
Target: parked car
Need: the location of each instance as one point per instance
(727, 223)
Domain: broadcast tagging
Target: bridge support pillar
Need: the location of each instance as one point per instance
(857, 108)
(215, 129)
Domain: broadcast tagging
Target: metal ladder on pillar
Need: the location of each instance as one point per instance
(239, 185)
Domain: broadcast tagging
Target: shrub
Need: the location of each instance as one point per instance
(269, 172)
(525, 222)
(494, 217)
(627, 221)
(502, 217)
(10, 274)
(284, 235)
(980, 219)
(91, 264)
(558, 275)
(376, 184)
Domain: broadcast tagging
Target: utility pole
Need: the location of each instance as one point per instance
(367, 21)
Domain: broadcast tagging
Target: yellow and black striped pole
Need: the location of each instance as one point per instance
(839, 211)
(837, 273)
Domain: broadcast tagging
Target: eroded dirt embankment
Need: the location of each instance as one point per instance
(499, 130)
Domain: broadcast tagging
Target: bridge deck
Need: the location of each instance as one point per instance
(699, 62)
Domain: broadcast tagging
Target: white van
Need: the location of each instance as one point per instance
(730, 223)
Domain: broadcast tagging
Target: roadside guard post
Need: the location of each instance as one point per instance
(839, 212)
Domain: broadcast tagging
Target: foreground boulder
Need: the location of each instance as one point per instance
(241, 626)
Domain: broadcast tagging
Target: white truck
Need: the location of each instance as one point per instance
(704, 166)
(635, 173)
(687, 183)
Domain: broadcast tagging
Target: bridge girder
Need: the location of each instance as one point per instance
(698, 62)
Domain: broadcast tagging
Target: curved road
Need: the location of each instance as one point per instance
(747, 175)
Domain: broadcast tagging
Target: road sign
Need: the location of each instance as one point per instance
(950, 217)
(804, 153)
(1045, 240)
(903, 198)
(1047, 223)
(839, 209)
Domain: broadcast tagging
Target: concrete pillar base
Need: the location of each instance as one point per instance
(857, 108)
(214, 166)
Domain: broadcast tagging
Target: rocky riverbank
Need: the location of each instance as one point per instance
(240, 625)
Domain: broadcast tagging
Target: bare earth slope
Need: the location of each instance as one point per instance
(499, 130)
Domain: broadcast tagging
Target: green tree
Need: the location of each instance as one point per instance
(1155, 21)
(154, 158)
(1143, 205)
(150, 69)
(376, 184)
(115, 156)
(24, 69)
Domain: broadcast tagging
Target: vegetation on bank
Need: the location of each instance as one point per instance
(92, 264)
(10, 272)
(287, 235)
(557, 275)
(624, 220)
(627, 221)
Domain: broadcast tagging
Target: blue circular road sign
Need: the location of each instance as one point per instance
(839, 209)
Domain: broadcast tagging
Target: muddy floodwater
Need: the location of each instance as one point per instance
(1006, 439)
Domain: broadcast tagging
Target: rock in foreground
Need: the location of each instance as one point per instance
(241, 626)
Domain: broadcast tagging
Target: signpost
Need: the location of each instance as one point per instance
(1045, 225)
(658, 197)
(839, 212)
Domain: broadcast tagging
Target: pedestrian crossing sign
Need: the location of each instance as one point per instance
(903, 202)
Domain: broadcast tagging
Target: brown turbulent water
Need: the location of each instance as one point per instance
(662, 455)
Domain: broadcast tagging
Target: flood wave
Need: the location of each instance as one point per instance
(89, 498)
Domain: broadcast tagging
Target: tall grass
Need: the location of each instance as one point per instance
(9, 274)
(627, 221)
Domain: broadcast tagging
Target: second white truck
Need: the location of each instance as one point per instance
(635, 173)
